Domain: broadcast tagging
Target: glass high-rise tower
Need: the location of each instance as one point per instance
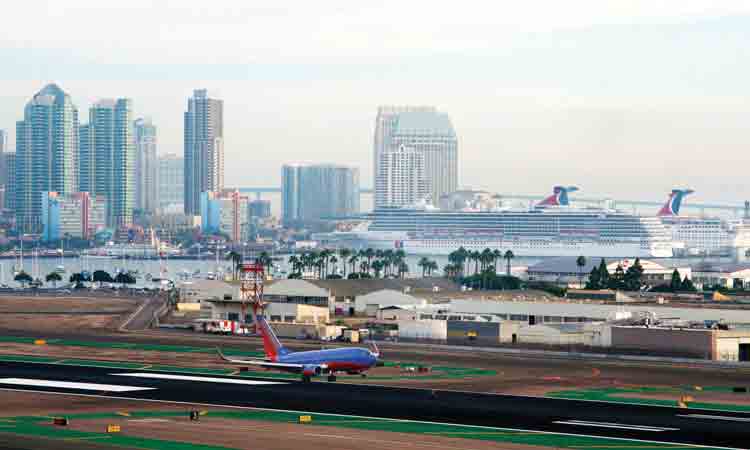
(46, 151)
(204, 148)
(107, 158)
(314, 192)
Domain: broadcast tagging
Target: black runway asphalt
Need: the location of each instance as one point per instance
(650, 423)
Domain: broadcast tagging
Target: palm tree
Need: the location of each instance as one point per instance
(496, 255)
(353, 261)
(423, 263)
(402, 268)
(345, 253)
(581, 263)
(508, 256)
(377, 267)
(295, 264)
(474, 256)
(334, 261)
(236, 263)
(265, 260)
(432, 266)
(486, 258)
(369, 253)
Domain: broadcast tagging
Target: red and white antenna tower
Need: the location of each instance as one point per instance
(251, 288)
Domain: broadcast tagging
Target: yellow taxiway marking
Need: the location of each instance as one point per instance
(123, 413)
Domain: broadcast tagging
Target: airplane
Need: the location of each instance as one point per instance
(353, 361)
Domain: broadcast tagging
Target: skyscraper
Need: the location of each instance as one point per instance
(424, 130)
(10, 180)
(313, 192)
(146, 166)
(46, 150)
(107, 159)
(3, 149)
(204, 148)
(401, 178)
(171, 182)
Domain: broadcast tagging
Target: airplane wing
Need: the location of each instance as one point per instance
(266, 364)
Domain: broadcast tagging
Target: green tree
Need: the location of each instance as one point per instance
(100, 276)
(617, 280)
(603, 274)
(124, 278)
(594, 279)
(53, 277)
(581, 263)
(687, 285)
(676, 283)
(633, 276)
(23, 278)
(78, 279)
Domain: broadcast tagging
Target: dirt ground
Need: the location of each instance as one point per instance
(227, 432)
(271, 435)
(64, 314)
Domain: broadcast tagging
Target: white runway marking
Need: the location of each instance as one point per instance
(72, 385)
(707, 416)
(164, 376)
(622, 426)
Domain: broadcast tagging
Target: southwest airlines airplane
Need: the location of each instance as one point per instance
(310, 363)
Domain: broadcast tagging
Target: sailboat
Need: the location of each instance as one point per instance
(61, 267)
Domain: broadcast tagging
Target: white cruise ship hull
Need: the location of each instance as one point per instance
(531, 249)
(541, 248)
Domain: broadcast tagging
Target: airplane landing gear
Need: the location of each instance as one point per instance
(364, 375)
(305, 378)
(331, 378)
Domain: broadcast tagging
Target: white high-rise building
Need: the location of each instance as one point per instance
(424, 130)
(401, 178)
(146, 166)
(204, 148)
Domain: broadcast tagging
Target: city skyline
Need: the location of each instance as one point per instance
(533, 97)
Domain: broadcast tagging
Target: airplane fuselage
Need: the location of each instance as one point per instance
(335, 360)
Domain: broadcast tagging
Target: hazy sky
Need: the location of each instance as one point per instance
(625, 98)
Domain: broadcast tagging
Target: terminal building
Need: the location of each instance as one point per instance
(565, 271)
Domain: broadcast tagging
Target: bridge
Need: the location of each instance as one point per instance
(737, 210)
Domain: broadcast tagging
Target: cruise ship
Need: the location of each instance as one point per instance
(702, 236)
(551, 228)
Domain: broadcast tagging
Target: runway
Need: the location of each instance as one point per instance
(647, 423)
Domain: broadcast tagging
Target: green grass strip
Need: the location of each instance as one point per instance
(615, 395)
(374, 424)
